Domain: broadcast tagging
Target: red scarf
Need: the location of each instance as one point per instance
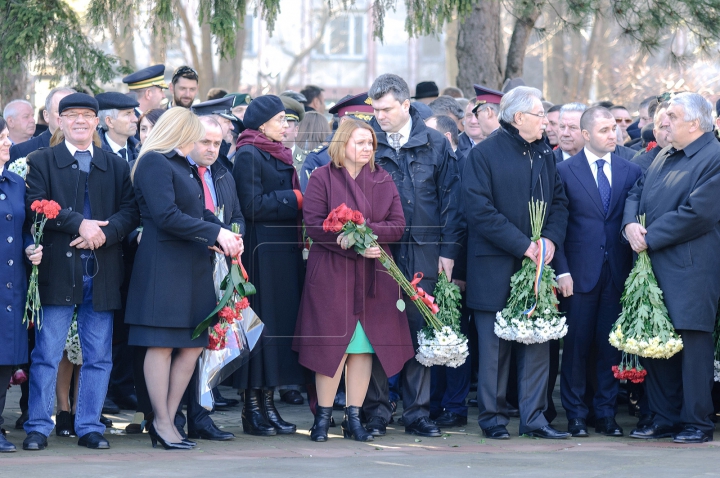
(276, 149)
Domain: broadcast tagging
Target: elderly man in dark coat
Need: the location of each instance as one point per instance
(85, 270)
(425, 171)
(503, 173)
(679, 197)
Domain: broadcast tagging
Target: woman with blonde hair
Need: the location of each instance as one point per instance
(348, 310)
(171, 289)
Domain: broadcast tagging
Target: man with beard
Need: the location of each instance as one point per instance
(184, 86)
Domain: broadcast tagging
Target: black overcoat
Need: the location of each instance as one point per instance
(171, 284)
(273, 259)
(679, 197)
(53, 173)
(499, 181)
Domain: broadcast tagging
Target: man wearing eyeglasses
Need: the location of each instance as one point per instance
(480, 118)
(184, 86)
(622, 119)
(84, 273)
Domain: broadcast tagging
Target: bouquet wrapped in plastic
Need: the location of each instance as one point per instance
(236, 332)
(644, 327)
(531, 315)
(446, 345)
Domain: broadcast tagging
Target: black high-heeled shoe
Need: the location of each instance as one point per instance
(64, 424)
(273, 416)
(351, 426)
(155, 438)
(189, 443)
(319, 430)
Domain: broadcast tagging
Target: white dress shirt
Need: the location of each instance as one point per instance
(116, 147)
(72, 148)
(592, 161)
(404, 132)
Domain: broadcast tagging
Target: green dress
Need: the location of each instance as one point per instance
(359, 343)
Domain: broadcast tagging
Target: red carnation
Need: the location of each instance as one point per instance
(651, 145)
(242, 304)
(357, 217)
(226, 313)
(36, 206)
(51, 209)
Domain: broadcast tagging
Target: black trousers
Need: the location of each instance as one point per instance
(533, 367)
(414, 377)
(680, 388)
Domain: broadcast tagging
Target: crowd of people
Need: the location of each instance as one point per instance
(150, 190)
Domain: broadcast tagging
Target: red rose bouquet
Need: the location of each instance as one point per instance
(44, 210)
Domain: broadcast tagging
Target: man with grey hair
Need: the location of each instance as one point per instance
(446, 105)
(52, 102)
(425, 172)
(499, 234)
(118, 124)
(20, 120)
(678, 196)
(645, 159)
(570, 138)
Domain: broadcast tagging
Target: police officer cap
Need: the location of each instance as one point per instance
(294, 110)
(78, 100)
(220, 106)
(239, 99)
(147, 77)
(112, 100)
(484, 95)
(358, 105)
(261, 110)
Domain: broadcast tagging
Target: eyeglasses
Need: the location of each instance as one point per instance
(74, 116)
(623, 120)
(282, 121)
(185, 72)
(539, 115)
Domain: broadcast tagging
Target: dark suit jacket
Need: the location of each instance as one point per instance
(53, 173)
(21, 150)
(679, 196)
(592, 236)
(498, 182)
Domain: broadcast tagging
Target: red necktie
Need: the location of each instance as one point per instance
(208, 197)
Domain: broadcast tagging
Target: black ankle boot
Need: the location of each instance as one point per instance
(351, 426)
(253, 415)
(273, 416)
(319, 430)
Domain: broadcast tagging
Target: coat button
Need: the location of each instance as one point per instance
(282, 181)
(10, 262)
(10, 239)
(191, 175)
(3, 197)
(285, 201)
(74, 166)
(9, 285)
(9, 308)
(68, 254)
(70, 208)
(67, 298)
(9, 217)
(199, 196)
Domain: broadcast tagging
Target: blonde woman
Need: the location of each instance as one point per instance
(171, 289)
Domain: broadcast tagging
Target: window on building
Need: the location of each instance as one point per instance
(251, 39)
(345, 37)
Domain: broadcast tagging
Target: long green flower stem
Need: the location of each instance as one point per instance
(407, 287)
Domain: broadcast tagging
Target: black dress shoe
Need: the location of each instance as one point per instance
(578, 428)
(498, 432)
(548, 432)
(652, 432)
(472, 402)
(292, 397)
(692, 434)
(449, 419)
(94, 440)
(608, 426)
(210, 432)
(21, 420)
(64, 424)
(110, 407)
(423, 427)
(6, 446)
(35, 441)
(377, 426)
(645, 421)
(224, 404)
(104, 420)
(513, 412)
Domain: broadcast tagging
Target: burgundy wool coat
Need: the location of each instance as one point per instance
(341, 286)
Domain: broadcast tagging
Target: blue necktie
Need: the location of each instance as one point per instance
(83, 159)
(603, 184)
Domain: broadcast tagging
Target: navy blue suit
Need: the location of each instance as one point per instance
(598, 262)
(21, 150)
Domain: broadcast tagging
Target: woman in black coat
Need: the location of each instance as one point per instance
(270, 198)
(171, 289)
(13, 333)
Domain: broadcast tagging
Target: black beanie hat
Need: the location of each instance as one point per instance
(262, 109)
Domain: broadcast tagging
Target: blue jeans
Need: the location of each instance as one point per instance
(95, 331)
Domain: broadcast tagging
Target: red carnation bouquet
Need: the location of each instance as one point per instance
(44, 210)
(351, 224)
(629, 369)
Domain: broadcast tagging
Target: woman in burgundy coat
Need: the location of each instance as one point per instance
(348, 310)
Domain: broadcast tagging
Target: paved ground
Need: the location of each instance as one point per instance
(461, 452)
